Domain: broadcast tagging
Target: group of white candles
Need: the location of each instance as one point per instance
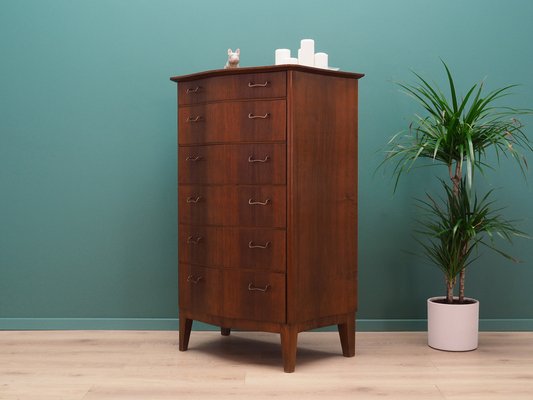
(306, 55)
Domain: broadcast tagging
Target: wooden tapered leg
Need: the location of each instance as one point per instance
(289, 339)
(185, 333)
(347, 336)
(225, 331)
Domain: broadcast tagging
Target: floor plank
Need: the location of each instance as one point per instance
(102, 365)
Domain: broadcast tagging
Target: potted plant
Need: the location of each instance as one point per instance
(460, 134)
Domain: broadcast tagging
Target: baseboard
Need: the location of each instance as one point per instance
(149, 324)
(504, 325)
(170, 324)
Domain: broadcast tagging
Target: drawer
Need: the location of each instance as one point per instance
(233, 164)
(247, 206)
(200, 289)
(257, 296)
(241, 248)
(243, 121)
(241, 86)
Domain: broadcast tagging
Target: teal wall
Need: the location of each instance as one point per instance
(88, 146)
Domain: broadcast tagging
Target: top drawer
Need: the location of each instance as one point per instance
(231, 87)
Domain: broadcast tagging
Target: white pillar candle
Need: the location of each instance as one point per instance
(289, 60)
(307, 44)
(307, 55)
(321, 60)
(282, 54)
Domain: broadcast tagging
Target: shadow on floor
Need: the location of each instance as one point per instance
(257, 348)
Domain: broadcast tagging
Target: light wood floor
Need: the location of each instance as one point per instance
(98, 365)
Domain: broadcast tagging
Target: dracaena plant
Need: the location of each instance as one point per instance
(460, 134)
(455, 225)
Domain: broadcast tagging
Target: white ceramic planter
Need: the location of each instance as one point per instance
(453, 327)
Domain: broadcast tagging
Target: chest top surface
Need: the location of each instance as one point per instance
(270, 68)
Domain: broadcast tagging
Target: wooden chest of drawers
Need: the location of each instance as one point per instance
(267, 202)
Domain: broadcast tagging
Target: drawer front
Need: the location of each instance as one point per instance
(246, 206)
(232, 164)
(257, 296)
(243, 86)
(200, 289)
(248, 248)
(242, 121)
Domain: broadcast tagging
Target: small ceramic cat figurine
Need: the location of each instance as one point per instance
(233, 59)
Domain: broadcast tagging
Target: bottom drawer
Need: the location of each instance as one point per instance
(257, 296)
(200, 289)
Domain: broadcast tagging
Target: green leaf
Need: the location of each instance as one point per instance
(452, 87)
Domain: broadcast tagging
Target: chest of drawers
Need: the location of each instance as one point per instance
(267, 202)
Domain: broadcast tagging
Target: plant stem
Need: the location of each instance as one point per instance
(456, 179)
(462, 286)
(449, 291)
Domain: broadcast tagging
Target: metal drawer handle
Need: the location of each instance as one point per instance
(251, 288)
(195, 119)
(251, 84)
(252, 160)
(194, 240)
(258, 203)
(251, 245)
(194, 199)
(196, 158)
(252, 116)
(194, 279)
(195, 90)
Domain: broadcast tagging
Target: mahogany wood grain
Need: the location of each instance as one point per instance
(230, 205)
(255, 296)
(347, 336)
(323, 321)
(322, 192)
(184, 333)
(280, 237)
(233, 323)
(289, 339)
(251, 121)
(225, 331)
(229, 247)
(200, 289)
(265, 326)
(242, 164)
(244, 86)
(183, 79)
